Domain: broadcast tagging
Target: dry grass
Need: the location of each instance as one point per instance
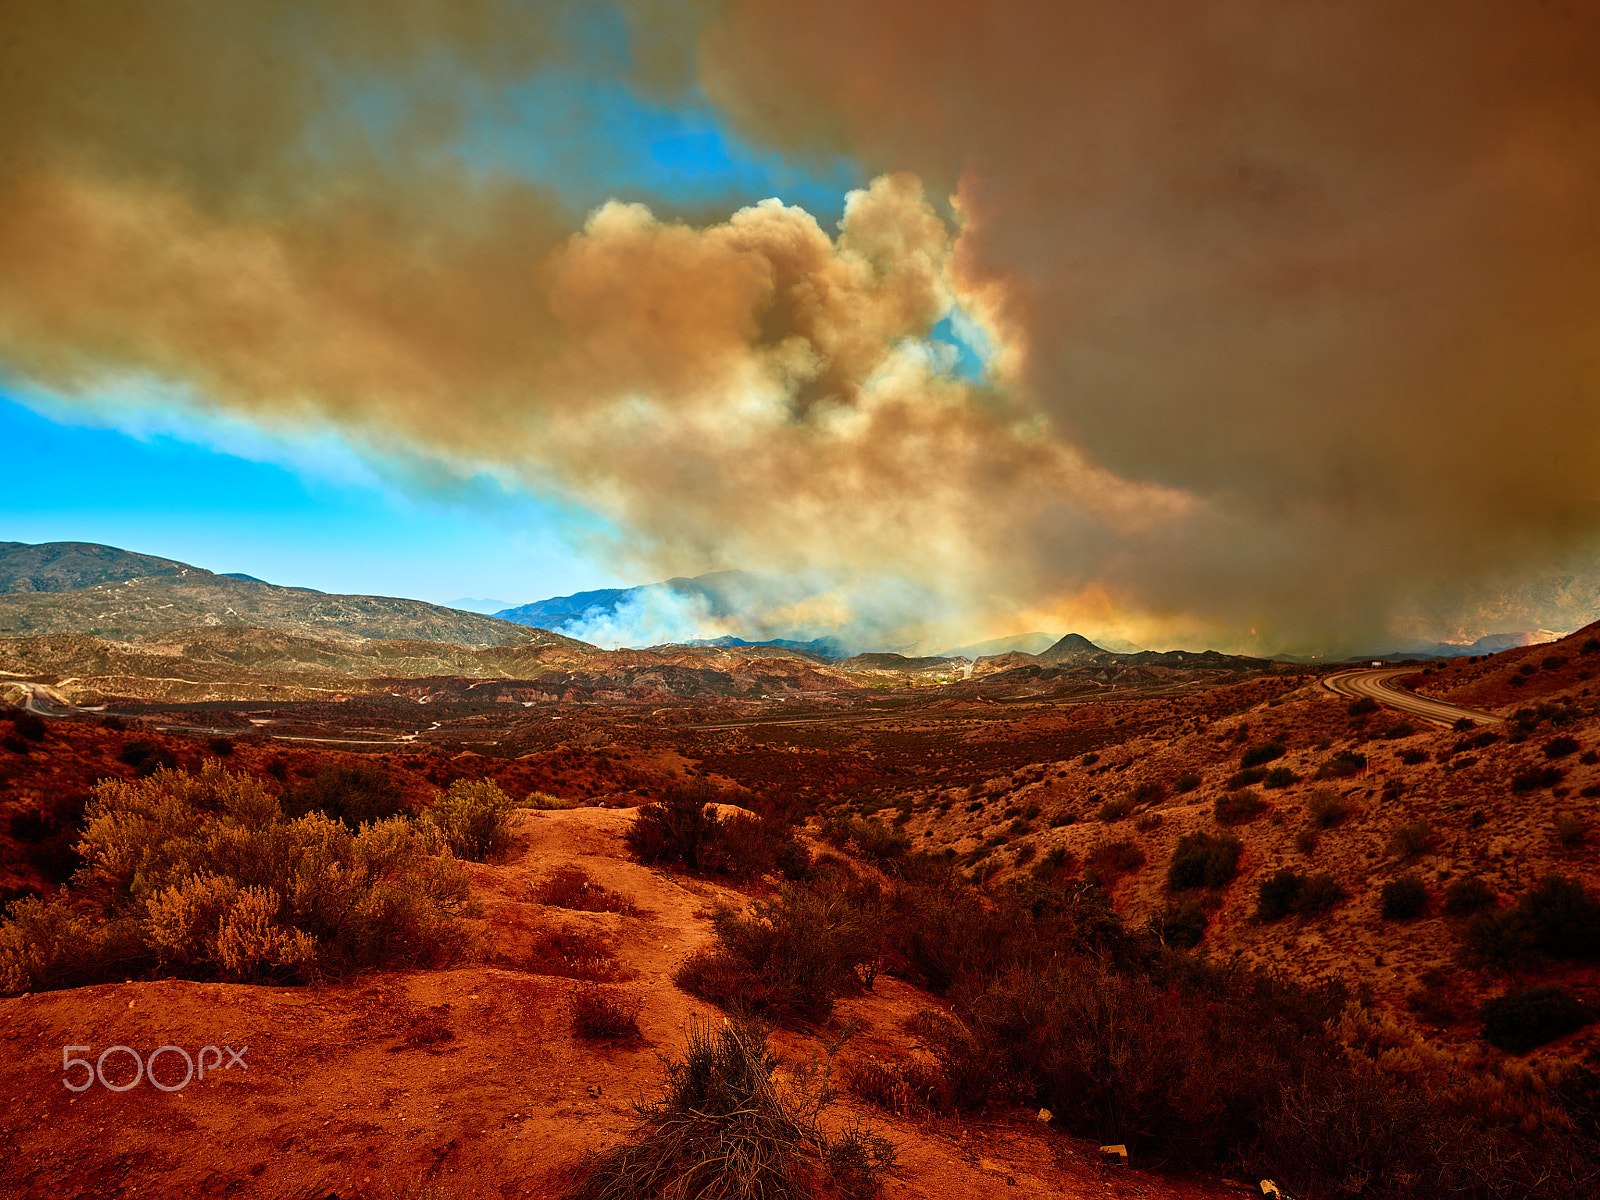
(571, 888)
(599, 1014)
(725, 1130)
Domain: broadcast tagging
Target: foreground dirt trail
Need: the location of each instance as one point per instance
(469, 1079)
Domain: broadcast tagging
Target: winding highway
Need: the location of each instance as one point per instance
(1377, 684)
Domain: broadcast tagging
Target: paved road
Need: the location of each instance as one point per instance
(38, 699)
(1378, 684)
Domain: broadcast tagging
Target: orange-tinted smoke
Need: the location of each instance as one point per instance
(1331, 268)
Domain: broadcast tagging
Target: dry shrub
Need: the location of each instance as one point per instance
(428, 1030)
(1204, 859)
(1413, 838)
(907, 1088)
(1326, 808)
(201, 875)
(472, 818)
(571, 888)
(546, 802)
(602, 1015)
(1236, 808)
(574, 954)
(1110, 861)
(682, 828)
(790, 959)
(352, 794)
(724, 1129)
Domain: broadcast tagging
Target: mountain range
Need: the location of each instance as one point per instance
(93, 621)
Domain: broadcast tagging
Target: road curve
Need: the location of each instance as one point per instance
(1377, 684)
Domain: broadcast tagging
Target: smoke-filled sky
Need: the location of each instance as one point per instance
(1260, 324)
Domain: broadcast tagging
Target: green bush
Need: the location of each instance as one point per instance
(1281, 777)
(1361, 706)
(1522, 1020)
(1187, 782)
(1204, 860)
(723, 1130)
(201, 875)
(472, 818)
(1404, 898)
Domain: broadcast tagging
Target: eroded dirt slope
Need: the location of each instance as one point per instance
(467, 1079)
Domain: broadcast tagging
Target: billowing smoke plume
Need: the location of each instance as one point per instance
(1294, 306)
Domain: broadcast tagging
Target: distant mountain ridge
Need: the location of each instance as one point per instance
(58, 588)
(67, 566)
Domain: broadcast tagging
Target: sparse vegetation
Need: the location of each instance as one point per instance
(723, 1130)
(571, 888)
(1110, 861)
(1570, 829)
(352, 794)
(1560, 747)
(1530, 1017)
(1327, 808)
(1115, 810)
(1412, 838)
(1204, 860)
(1468, 896)
(1403, 898)
(1180, 924)
(1343, 765)
(600, 1014)
(1236, 808)
(1262, 752)
(1287, 891)
(145, 757)
(1533, 778)
(1559, 919)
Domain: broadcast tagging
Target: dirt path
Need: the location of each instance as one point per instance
(469, 1078)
